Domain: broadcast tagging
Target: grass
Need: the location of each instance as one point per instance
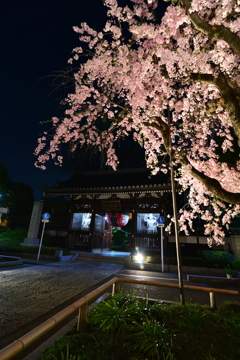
(124, 327)
(10, 243)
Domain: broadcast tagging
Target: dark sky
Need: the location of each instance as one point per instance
(36, 40)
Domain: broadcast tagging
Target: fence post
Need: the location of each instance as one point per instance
(113, 289)
(212, 298)
(82, 318)
(116, 287)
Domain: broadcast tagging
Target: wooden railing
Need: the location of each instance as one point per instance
(81, 306)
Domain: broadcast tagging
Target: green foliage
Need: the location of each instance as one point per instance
(18, 235)
(150, 339)
(218, 259)
(10, 242)
(20, 203)
(76, 344)
(236, 264)
(115, 315)
(194, 261)
(58, 207)
(225, 260)
(53, 241)
(5, 182)
(228, 269)
(67, 357)
(153, 332)
(120, 238)
(210, 258)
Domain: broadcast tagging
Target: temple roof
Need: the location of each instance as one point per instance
(102, 181)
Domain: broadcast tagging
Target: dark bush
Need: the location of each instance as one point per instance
(10, 243)
(53, 241)
(236, 264)
(225, 260)
(194, 261)
(210, 258)
(171, 261)
(119, 238)
(218, 259)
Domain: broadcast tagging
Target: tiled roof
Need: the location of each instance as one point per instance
(140, 178)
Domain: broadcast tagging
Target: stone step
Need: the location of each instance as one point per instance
(101, 258)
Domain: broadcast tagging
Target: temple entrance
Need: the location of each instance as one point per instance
(80, 231)
(147, 237)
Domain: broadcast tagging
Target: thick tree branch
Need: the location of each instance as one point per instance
(163, 128)
(217, 32)
(228, 94)
(211, 184)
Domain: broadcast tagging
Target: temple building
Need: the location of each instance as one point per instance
(127, 202)
(120, 210)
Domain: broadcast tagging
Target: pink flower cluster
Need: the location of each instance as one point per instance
(183, 63)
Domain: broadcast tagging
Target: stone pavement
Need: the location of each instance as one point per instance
(29, 293)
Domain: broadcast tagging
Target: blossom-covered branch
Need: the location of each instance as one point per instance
(189, 62)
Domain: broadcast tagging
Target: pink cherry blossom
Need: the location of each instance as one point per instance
(188, 63)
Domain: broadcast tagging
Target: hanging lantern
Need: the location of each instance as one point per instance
(117, 219)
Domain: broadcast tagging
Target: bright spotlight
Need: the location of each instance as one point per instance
(139, 257)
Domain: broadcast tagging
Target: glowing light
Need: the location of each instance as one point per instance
(141, 266)
(139, 257)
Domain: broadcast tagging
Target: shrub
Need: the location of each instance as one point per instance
(53, 241)
(115, 314)
(161, 331)
(151, 339)
(67, 357)
(225, 260)
(119, 238)
(236, 264)
(126, 248)
(18, 235)
(194, 261)
(210, 258)
(10, 242)
(218, 259)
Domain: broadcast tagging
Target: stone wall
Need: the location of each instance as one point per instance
(235, 243)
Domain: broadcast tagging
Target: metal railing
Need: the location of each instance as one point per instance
(12, 350)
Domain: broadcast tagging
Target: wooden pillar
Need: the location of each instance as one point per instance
(82, 318)
(115, 288)
(212, 298)
(91, 232)
(134, 229)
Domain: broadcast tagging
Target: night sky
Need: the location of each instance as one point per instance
(36, 42)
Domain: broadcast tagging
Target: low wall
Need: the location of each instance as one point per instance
(236, 245)
(213, 279)
(57, 257)
(173, 268)
(10, 261)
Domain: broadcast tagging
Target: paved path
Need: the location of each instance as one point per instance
(170, 294)
(31, 292)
